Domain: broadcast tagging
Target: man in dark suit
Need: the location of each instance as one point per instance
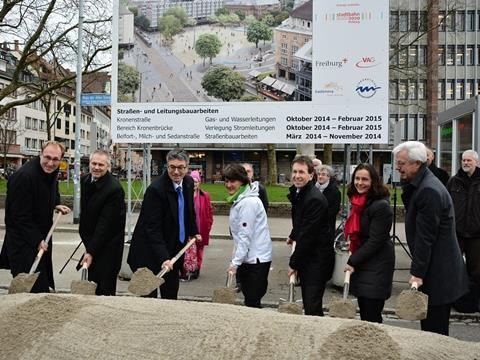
(327, 185)
(102, 223)
(32, 196)
(441, 174)
(437, 266)
(262, 192)
(314, 257)
(162, 228)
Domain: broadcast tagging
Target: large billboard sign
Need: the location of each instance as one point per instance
(321, 77)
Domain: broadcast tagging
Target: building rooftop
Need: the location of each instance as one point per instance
(304, 11)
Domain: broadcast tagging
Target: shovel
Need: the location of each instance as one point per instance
(83, 286)
(412, 304)
(343, 308)
(225, 295)
(290, 307)
(143, 281)
(23, 283)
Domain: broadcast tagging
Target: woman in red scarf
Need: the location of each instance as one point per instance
(372, 258)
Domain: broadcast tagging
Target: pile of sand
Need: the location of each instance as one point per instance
(89, 327)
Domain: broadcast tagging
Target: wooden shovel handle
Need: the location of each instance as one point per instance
(176, 257)
(414, 286)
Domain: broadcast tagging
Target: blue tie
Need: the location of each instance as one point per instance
(181, 221)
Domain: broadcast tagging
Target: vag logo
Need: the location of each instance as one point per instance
(366, 88)
(367, 62)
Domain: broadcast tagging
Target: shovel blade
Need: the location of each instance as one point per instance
(23, 283)
(143, 282)
(83, 287)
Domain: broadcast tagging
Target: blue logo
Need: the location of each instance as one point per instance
(366, 88)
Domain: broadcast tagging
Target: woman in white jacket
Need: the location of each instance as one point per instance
(248, 225)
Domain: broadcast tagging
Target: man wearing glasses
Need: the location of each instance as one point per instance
(165, 224)
(32, 196)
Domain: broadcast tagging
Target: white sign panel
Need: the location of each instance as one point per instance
(323, 78)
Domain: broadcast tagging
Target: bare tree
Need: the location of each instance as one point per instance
(9, 129)
(47, 31)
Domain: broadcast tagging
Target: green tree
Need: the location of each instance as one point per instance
(281, 16)
(222, 11)
(128, 82)
(268, 19)
(257, 31)
(142, 22)
(179, 13)
(169, 26)
(241, 14)
(208, 45)
(223, 83)
(133, 10)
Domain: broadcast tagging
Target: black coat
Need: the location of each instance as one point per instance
(314, 256)
(155, 238)
(334, 198)
(32, 196)
(430, 230)
(102, 228)
(262, 194)
(441, 174)
(465, 193)
(374, 260)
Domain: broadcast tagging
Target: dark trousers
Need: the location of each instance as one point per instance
(254, 280)
(471, 247)
(169, 289)
(371, 309)
(106, 283)
(312, 296)
(438, 319)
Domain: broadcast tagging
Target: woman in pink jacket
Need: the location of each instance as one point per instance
(204, 217)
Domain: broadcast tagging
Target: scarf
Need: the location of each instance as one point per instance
(231, 199)
(352, 225)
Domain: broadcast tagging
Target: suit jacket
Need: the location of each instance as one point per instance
(333, 196)
(430, 230)
(155, 238)
(102, 224)
(441, 174)
(314, 255)
(32, 196)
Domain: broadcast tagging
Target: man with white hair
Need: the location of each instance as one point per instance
(464, 189)
(437, 266)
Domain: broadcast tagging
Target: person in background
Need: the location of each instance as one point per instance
(437, 265)
(102, 223)
(249, 228)
(32, 197)
(262, 192)
(313, 257)
(327, 185)
(163, 229)
(204, 219)
(372, 258)
(441, 174)
(464, 189)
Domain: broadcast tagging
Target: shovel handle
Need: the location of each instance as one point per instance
(176, 257)
(346, 284)
(414, 286)
(229, 279)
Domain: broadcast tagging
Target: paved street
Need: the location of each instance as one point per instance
(216, 260)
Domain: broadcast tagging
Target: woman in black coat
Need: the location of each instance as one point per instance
(372, 258)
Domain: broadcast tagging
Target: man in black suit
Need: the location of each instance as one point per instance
(102, 223)
(32, 196)
(262, 192)
(441, 174)
(162, 228)
(437, 266)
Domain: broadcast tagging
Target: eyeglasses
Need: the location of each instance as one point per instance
(49, 158)
(180, 168)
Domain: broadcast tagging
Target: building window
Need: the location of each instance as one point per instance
(460, 22)
(450, 89)
(450, 21)
(460, 54)
(403, 21)
(393, 89)
(422, 120)
(422, 55)
(412, 55)
(403, 126)
(441, 89)
(28, 122)
(393, 56)
(441, 55)
(393, 20)
(59, 123)
(469, 88)
(470, 60)
(413, 24)
(412, 121)
(422, 90)
(34, 124)
(460, 90)
(441, 20)
(412, 90)
(423, 21)
(450, 55)
(403, 89)
(43, 125)
(470, 21)
(283, 61)
(403, 56)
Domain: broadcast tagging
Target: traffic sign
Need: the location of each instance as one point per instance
(96, 99)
